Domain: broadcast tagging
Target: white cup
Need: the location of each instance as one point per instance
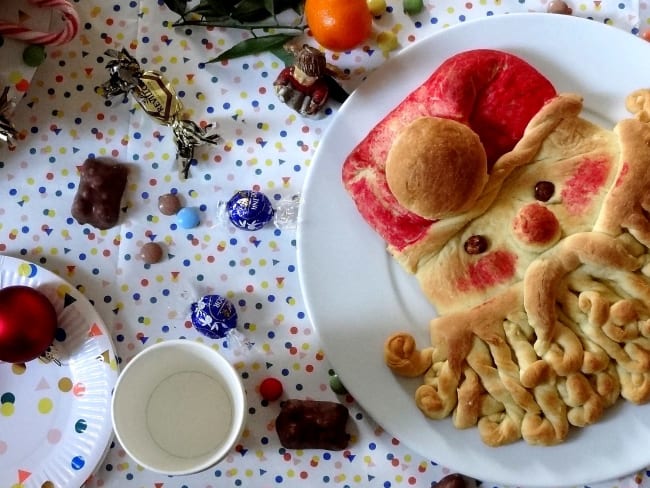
(178, 407)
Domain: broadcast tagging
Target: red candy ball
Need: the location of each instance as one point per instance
(271, 389)
(28, 324)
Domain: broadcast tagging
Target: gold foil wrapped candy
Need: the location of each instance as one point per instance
(158, 99)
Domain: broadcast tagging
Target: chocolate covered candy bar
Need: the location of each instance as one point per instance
(312, 424)
(101, 185)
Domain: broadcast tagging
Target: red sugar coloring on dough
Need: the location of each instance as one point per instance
(492, 269)
(625, 169)
(590, 176)
(536, 224)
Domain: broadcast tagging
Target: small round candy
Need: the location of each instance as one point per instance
(151, 253)
(387, 41)
(169, 204)
(377, 7)
(559, 7)
(188, 217)
(214, 316)
(249, 210)
(413, 7)
(336, 385)
(34, 55)
(271, 389)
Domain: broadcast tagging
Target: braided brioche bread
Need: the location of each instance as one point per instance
(541, 282)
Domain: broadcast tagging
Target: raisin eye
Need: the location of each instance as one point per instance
(544, 190)
(476, 245)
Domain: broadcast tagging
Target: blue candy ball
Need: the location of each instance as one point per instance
(249, 210)
(214, 316)
(188, 217)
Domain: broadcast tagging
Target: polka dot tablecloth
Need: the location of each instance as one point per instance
(265, 146)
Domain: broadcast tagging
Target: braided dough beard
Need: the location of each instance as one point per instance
(565, 332)
(545, 329)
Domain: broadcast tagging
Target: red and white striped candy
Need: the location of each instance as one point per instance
(66, 34)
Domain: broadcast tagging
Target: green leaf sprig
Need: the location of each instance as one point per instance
(260, 17)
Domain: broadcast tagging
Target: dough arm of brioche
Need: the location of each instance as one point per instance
(504, 427)
(595, 387)
(475, 341)
(542, 278)
(632, 355)
(594, 358)
(551, 426)
(605, 300)
(438, 397)
(627, 205)
(587, 399)
(402, 356)
(614, 332)
(539, 414)
(533, 370)
(474, 402)
(635, 387)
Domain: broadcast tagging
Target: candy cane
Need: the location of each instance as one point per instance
(22, 33)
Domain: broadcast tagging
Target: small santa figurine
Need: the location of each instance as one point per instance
(304, 86)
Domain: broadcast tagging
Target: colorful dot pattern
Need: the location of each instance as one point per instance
(54, 411)
(266, 147)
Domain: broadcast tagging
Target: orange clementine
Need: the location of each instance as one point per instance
(339, 25)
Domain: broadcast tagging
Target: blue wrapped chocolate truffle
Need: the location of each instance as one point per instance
(214, 316)
(249, 210)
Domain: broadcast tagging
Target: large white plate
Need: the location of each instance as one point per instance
(356, 295)
(55, 422)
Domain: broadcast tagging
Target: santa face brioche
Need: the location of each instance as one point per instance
(436, 167)
(542, 282)
(494, 93)
(521, 223)
(543, 330)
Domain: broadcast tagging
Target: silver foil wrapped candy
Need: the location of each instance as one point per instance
(8, 132)
(158, 99)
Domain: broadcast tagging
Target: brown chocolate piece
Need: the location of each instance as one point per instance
(454, 480)
(169, 204)
(312, 424)
(101, 185)
(151, 253)
(559, 7)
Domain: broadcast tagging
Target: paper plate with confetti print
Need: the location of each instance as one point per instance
(55, 413)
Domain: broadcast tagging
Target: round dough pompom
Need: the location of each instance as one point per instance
(436, 168)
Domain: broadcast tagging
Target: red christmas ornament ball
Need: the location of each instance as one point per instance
(271, 389)
(28, 323)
